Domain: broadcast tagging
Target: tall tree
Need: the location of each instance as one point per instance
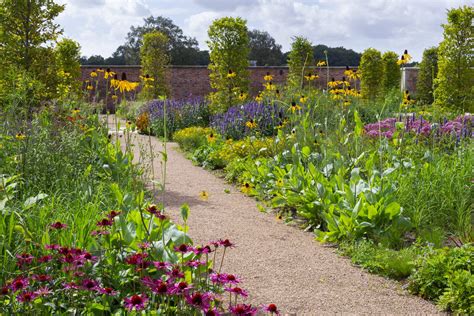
(371, 71)
(154, 58)
(183, 50)
(455, 81)
(391, 71)
(427, 75)
(27, 27)
(300, 57)
(337, 56)
(264, 49)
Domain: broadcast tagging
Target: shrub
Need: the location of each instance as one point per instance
(191, 138)
(427, 75)
(445, 275)
(391, 72)
(371, 71)
(300, 57)
(454, 83)
(154, 59)
(229, 46)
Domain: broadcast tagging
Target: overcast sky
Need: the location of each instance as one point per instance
(100, 26)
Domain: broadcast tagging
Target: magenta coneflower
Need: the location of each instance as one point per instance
(271, 308)
(243, 309)
(5, 289)
(58, 225)
(211, 312)
(19, 283)
(41, 277)
(199, 300)
(195, 263)
(24, 258)
(46, 258)
(224, 278)
(138, 259)
(105, 222)
(226, 243)
(156, 285)
(160, 265)
(42, 291)
(202, 250)
(183, 248)
(176, 273)
(237, 291)
(26, 297)
(90, 285)
(180, 288)
(70, 286)
(135, 302)
(107, 291)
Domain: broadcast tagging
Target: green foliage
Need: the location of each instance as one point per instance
(337, 56)
(155, 59)
(371, 70)
(264, 50)
(391, 71)
(183, 50)
(68, 53)
(229, 45)
(426, 76)
(395, 264)
(299, 58)
(191, 138)
(454, 83)
(445, 275)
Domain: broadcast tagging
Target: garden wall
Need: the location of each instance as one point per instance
(188, 81)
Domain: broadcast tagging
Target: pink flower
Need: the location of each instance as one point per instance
(90, 285)
(226, 243)
(138, 260)
(46, 258)
(271, 308)
(180, 288)
(5, 289)
(41, 277)
(237, 291)
(135, 302)
(161, 265)
(153, 209)
(105, 222)
(183, 248)
(195, 263)
(156, 285)
(211, 312)
(202, 250)
(24, 259)
(58, 225)
(26, 297)
(70, 286)
(107, 291)
(199, 300)
(224, 278)
(243, 309)
(176, 273)
(42, 291)
(19, 283)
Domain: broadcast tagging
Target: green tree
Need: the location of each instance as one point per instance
(27, 28)
(68, 54)
(391, 72)
(427, 75)
(299, 58)
(371, 71)
(455, 80)
(337, 56)
(183, 50)
(229, 45)
(155, 59)
(264, 49)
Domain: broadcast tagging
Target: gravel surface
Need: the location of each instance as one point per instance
(278, 263)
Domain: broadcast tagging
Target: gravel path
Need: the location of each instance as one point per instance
(277, 263)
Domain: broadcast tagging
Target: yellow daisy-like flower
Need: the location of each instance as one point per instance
(337, 96)
(251, 124)
(405, 58)
(279, 182)
(321, 63)
(125, 85)
(128, 124)
(268, 77)
(333, 83)
(282, 124)
(295, 107)
(246, 188)
(90, 87)
(93, 74)
(259, 98)
(242, 96)
(147, 78)
(76, 111)
(231, 74)
(303, 99)
(203, 195)
(346, 102)
(100, 69)
(270, 86)
(108, 73)
(20, 136)
(211, 138)
(311, 77)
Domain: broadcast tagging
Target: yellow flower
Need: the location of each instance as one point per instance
(268, 77)
(295, 107)
(407, 100)
(90, 87)
(204, 196)
(114, 97)
(279, 183)
(333, 83)
(405, 58)
(337, 96)
(311, 77)
(321, 63)
(251, 124)
(347, 102)
(147, 78)
(93, 74)
(231, 74)
(282, 124)
(125, 85)
(303, 99)
(259, 98)
(108, 74)
(242, 96)
(128, 124)
(211, 138)
(270, 86)
(76, 111)
(246, 187)
(20, 136)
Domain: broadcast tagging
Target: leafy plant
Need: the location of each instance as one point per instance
(371, 70)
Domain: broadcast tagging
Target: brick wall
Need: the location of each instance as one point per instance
(185, 81)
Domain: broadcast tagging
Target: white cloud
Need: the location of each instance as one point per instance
(100, 26)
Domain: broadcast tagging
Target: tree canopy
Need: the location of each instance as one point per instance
(264, 49)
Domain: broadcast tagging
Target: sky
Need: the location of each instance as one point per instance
(100, 26)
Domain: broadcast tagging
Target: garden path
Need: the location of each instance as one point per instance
(278, 263)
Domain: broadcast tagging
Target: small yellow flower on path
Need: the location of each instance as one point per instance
(203, 195)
